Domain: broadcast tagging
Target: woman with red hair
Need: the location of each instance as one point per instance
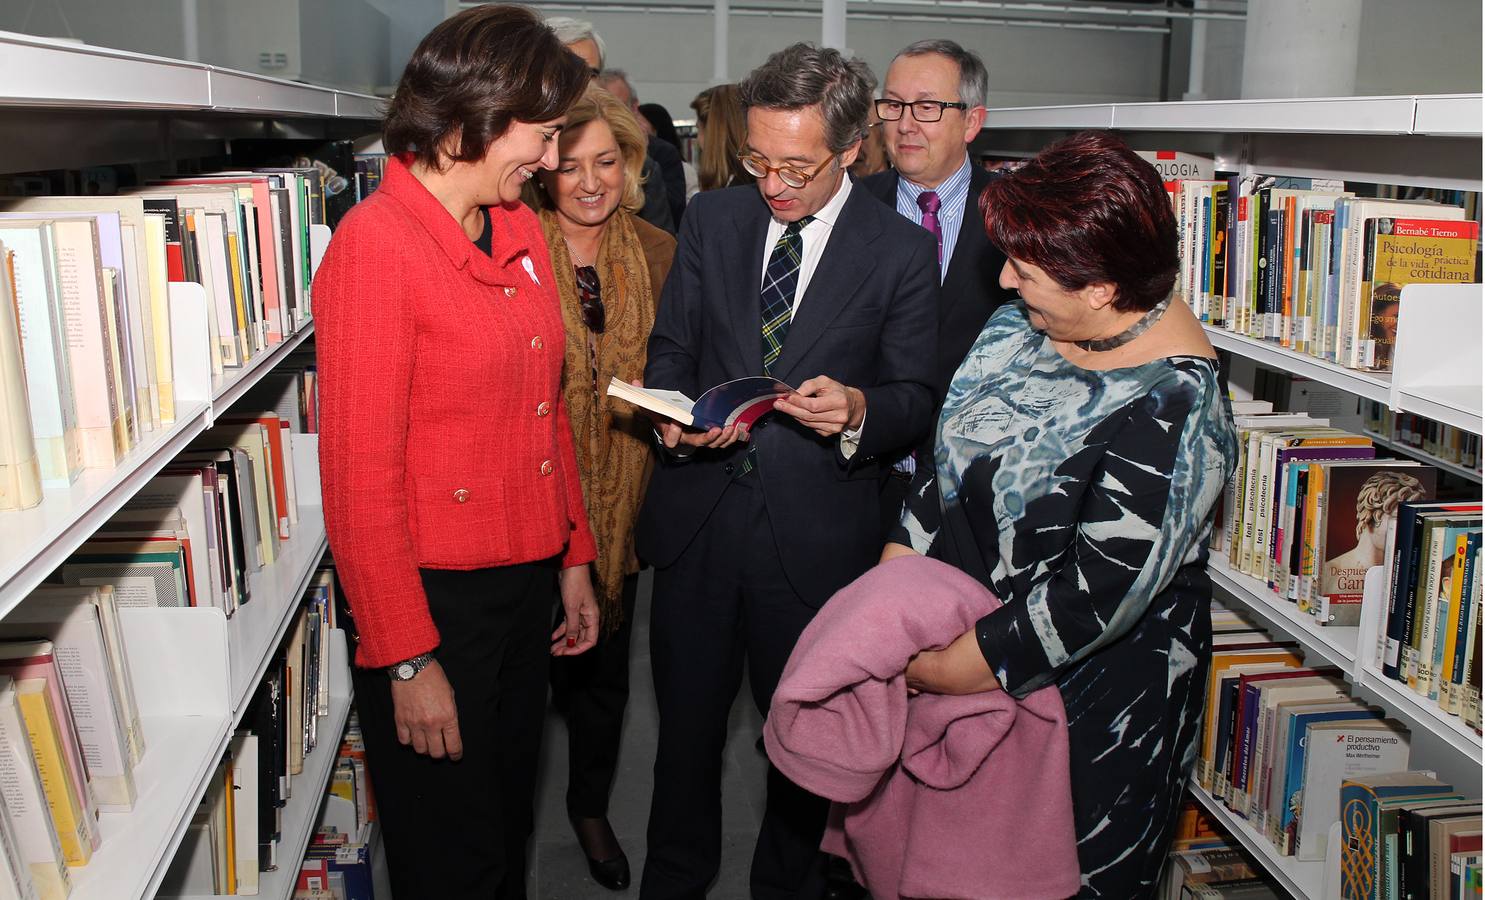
(1081, 449)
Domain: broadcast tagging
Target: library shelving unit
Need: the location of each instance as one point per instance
(1423, 141)
(69, 105)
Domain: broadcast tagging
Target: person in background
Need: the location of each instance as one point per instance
(580, 37)
(798, 276)
(452, 499)
(663, 127)
(873, 158)
(665, 155)
(1081, 450)
(720, 132)
(609, 266)
(932, 108)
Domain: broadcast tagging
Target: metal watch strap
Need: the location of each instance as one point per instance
(416, 663)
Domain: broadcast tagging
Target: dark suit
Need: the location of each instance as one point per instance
(971, 292)
(743, 562)
(672, 173)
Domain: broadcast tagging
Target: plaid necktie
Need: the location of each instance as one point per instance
(777, 301)
(779, 281)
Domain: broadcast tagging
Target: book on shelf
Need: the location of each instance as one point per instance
(20, 468)
(36, 280)
(53, 731)
(26, 802)
(102, 722)
(1307, 265)
(1285, 799)
(741, 401)
(66, 789)
(1336, 751)
(1356, 501)
(1401, 251)
(15, 878)
(56, 602)
(1370, 807)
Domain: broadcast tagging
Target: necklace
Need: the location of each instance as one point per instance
(1128, 334)
(572, 252)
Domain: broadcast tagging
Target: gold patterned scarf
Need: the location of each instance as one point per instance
(613, 442)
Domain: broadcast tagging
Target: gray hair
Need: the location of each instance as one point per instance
(805, 75)
(570, 31)
(974, 81)
(609, 76)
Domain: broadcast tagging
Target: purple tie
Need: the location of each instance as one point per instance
(928, 202)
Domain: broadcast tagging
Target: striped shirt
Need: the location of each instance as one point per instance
(953, 196)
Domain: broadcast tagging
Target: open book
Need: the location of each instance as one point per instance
(744, 400)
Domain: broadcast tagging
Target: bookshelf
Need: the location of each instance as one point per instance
(303, 808)
(1423, 456)
(68, 105)
(1299, 877)
(1422, 141)
(1333, 645)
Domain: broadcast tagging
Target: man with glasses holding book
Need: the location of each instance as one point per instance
(932, 107)
(808, 280)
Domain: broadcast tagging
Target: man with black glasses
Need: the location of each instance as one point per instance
(932, 107)
(805, 278)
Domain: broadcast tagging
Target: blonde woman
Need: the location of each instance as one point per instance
(609, 267)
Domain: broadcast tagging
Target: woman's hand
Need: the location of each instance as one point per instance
(959, 668)
(579, 629)
(426, 716)
(893, 550)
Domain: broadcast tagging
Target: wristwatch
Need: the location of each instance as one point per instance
(409, 668)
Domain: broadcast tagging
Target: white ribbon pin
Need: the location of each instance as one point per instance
(530, 270)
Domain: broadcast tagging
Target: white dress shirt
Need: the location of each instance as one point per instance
(815, 236)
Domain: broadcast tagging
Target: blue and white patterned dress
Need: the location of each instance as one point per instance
(1083, 499)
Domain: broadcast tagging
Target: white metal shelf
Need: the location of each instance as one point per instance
(303, 809)
(308, 787)
(183, 748)
(171, 779)
(34, 542)
(228, 388)
(1299, 877)
(1343, 647)
(47, 72)
(1439, 462)
(1419, 711)
(257, 627)
(1371, 385)
(1448, 115)
(1332, 644)
(1451, 404)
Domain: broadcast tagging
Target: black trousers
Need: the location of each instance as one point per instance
(460, 829)
(725, 600)
(591, 692)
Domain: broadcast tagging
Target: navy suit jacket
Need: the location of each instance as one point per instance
(971, 286)
(868, 319)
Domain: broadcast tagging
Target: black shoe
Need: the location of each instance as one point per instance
(611, 873)
(595, 835)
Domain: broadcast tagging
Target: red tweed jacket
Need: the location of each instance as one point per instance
(444, 439)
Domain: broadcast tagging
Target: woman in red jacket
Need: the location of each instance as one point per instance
(451, 491)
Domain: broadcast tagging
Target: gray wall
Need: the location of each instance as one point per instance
(1103, 65)
(1419, 47)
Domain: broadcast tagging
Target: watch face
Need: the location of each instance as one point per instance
(406, 671)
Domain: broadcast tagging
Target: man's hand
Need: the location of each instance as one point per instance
(579, 629)
(673, 435)
(825, 406)
(426, 717)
